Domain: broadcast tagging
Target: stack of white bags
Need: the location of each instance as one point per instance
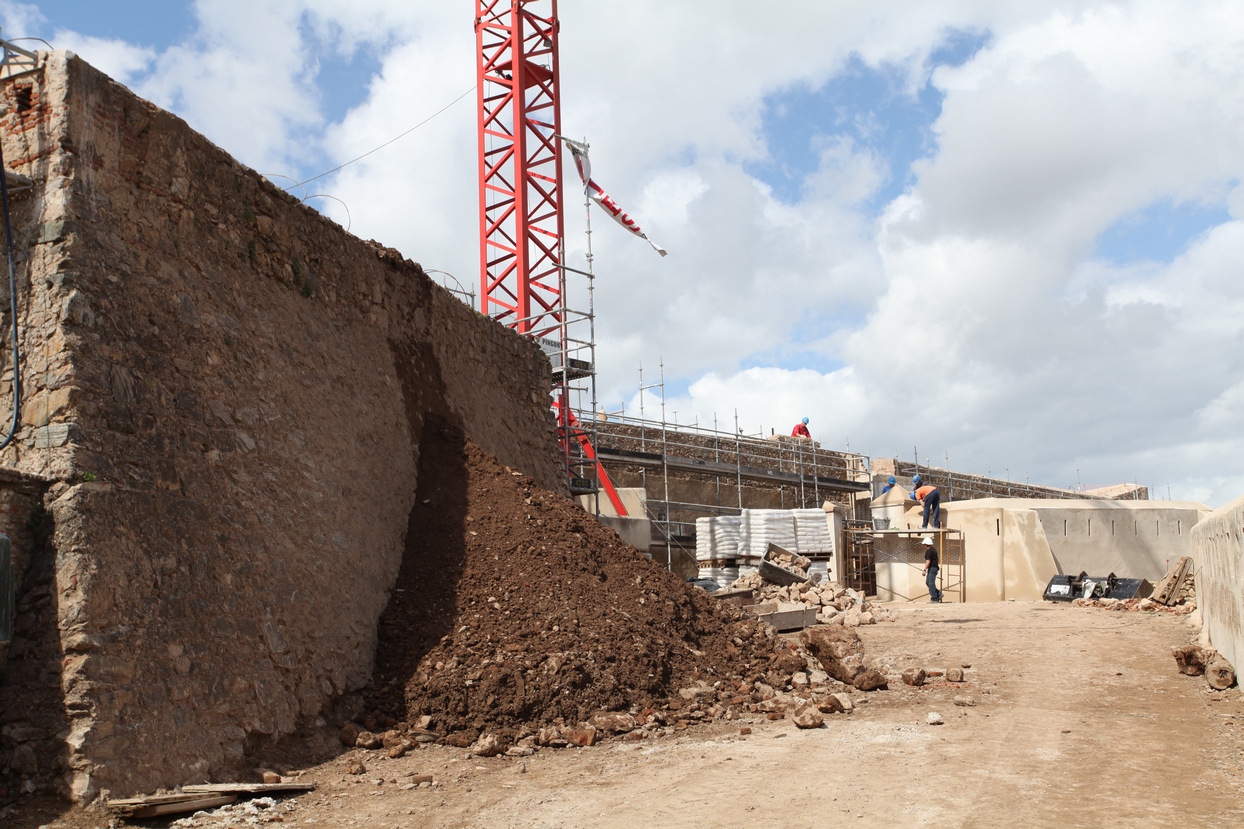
(747, 537)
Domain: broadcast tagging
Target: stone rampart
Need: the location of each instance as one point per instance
(1218, 550)
(226, 391)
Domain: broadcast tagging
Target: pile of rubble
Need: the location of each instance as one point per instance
(1185, 606)
(834, 604)
(822, 672)
(519, 620)
(792, 563)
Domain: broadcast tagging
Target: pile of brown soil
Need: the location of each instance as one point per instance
(515, 607)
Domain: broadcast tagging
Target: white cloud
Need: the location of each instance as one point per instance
(19, 19)
(970, 316)
(119, 60)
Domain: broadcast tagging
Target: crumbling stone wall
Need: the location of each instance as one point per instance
(227, 392)
(1218, 550)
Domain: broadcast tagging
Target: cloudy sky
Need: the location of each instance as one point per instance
(1010, 232)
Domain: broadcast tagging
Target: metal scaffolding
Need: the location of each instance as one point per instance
(666, 457)
(878, 562)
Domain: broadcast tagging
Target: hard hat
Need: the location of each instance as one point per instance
(916, 480)
(805, 421)
(891, 482)
(927, 541)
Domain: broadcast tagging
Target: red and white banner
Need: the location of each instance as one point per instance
(584, 165)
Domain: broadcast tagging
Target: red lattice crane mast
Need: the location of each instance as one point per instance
(522, 282)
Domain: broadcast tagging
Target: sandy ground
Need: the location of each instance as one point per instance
(1081, 719)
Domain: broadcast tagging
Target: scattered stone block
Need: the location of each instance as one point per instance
(1192, 659)
(582, 736)
(934, 718)
(368, 740)
(488, 745)
(839, 650)
(1220, 675)
(965, 701)
(613, 722)
(809, 717)
(349, 735)
(954, 674)
(355, 766)
(870, 680)
(914, 676)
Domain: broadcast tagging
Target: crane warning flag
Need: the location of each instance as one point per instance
(584, 165)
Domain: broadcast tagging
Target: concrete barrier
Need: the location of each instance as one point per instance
(1218, 550)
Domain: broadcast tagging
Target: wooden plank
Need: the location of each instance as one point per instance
(169, 804)
(250, 788)
(185, 806)
(1171, 584)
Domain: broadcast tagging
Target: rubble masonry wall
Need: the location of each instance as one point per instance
(1218, 551)
(227, 392)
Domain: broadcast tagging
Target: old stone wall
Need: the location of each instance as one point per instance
(227, 392)
(1218, 550)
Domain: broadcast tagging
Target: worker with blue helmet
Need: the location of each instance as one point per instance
(931, 498)
(801, 430)
(889, 485)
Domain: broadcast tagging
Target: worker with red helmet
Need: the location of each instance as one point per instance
(801, 430)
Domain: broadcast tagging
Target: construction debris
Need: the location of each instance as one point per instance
(1186, 604)
(1177, 585)
(833, 603)
(516, 615)
(142, 808)
(782, 567)
(1192, 659)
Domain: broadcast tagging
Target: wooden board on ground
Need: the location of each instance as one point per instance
(249, 788)
(169, 804)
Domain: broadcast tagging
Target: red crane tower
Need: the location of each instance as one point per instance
(522, 278)
(521, 282)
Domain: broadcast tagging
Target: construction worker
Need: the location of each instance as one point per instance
(801, 430)
(931, 569)
(931, 498)
(889, 485)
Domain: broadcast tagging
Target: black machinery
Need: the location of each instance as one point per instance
(1065, 588)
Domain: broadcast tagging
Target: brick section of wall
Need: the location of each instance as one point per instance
(1218, 551)
(228, 391)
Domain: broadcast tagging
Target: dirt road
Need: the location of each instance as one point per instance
(1080, 719)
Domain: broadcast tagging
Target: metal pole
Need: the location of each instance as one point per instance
(738, 462)
(665, 475)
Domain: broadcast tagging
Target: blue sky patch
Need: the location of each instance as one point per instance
(1159, 232)
(871, 106)
(157, 23)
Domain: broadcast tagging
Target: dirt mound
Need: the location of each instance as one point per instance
(514, 607)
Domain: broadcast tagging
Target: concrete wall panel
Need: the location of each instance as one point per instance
(1218, 550)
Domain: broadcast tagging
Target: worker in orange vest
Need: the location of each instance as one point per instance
(801, 430)
(931, 498)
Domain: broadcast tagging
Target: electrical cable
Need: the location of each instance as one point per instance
(390, 141)
(8, 242)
